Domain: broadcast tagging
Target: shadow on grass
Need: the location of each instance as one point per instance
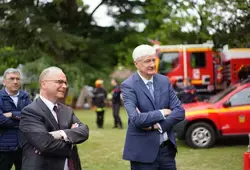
(232, 141)
(224, 142)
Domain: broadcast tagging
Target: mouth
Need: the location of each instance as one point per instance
(62, 92)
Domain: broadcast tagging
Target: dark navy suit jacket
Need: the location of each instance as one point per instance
(142, 145)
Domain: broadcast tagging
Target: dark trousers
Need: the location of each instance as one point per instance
(99, 118)
(7, 159)
(117, 119)
(165, 160)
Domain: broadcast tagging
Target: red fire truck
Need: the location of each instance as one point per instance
(209, 70)
(235, 60)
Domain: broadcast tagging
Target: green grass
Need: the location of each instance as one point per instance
(103, 150)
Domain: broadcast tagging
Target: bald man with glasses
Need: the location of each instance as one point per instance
(49, 130)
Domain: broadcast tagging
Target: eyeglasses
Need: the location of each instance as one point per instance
(61, 82)
(14, 78)
(146, 61)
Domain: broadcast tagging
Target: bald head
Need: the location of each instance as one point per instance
(48, 72)
(143, 51)
(53, 84)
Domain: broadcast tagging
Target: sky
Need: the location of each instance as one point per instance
(102, 19)
(100, 15)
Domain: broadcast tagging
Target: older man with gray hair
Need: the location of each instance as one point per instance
(153, 109)
(12, 100)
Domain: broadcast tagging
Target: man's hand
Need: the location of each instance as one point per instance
(56, 134)
(75, 125)
(166, 112)
(138, 111)
(8, 114)
(148, 128)
(156, 127)
(37, 152)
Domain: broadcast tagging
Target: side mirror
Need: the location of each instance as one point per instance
(227, 104)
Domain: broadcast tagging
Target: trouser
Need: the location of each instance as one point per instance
(117, 119)
(165, 159)
(100, 118)
(7, 159)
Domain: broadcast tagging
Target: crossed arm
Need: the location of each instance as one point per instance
(11, 119)
(6, 121)
(166, 118)
(35, 132)
(78, 132)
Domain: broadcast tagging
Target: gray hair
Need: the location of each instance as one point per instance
(10, 70)
(142, 51)
(49, 70)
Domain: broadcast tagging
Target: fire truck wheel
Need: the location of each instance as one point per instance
(200, 135)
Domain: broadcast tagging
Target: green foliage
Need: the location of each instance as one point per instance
(9, 58)
(62, 33)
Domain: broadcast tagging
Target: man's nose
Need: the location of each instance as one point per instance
(65, 85)
(152, 63)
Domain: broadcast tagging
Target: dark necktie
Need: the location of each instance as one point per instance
(70, 160)
(71, 164)
(55, 108)
(150, 88)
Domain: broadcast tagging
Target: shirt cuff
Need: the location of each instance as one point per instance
(160, 129)
(162, 114)
(63, 134)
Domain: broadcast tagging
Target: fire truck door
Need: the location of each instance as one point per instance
(199, 66)
(235, 119)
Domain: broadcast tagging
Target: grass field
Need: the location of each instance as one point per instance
(103, 150)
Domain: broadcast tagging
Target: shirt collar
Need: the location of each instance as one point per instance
(145, 80)
(48, 103)
(16, 95)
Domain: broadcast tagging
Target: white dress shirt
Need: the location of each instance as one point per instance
(164, 136)
(13, 97)
(51, 105)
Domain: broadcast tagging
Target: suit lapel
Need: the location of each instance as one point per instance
(157, 92)
(63, 117)
(48, 113)
(144, 88)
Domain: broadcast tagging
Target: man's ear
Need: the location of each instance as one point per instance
(135, 63)
(4, 82)
(42, 84)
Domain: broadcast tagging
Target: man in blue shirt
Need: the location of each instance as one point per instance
(12, 101)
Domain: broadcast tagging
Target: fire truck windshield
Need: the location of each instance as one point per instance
(220, 95)
(168, 61)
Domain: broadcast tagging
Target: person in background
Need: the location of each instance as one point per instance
(116, 103)
(189, 92)
(176, 88)
(12, 101)
(99, 97)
